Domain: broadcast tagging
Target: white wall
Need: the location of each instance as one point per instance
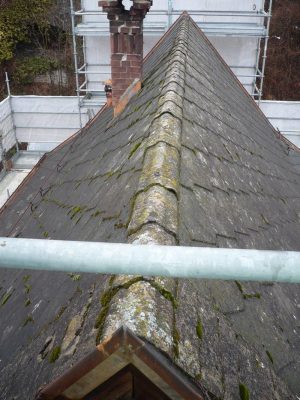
(285, 116)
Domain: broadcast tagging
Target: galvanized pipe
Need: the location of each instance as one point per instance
(167, 261)
(2, 154)
(257, 64)
(255, 14)
(264, 57)
(75, 54)
(11, 110)
(170, 10)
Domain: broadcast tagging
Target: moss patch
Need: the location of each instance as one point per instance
(54, 354)
(251, 296)
(5, 298)
(111, 280)
(74, 277)
(240, 287)
(60, 313)
(134, 149)
(244, 392)
(270, 356)
(29, 319)
(76, 210)
(105, 302)
(176, 339)
(247, 295)
(27, 302)
(109, 294)
(26, 278)
(27, 288)
(165, 293)
(199, 329)
(97, 213)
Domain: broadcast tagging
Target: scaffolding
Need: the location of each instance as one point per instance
(91, 23)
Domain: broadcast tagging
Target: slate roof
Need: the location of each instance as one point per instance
(191, 161)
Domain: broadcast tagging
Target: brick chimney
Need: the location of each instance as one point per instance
(126, 29)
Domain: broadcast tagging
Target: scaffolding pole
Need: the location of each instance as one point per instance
(170, 11)
(75, 61)
(151, 260)
(257, 67)
(2, 155)
(11, 110)
(264, 57)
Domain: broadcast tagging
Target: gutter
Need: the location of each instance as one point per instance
(150, 260)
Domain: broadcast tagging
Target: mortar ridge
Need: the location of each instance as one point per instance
(164, 166)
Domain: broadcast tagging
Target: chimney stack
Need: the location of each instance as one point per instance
(126, 29)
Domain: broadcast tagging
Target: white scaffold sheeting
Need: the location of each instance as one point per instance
(232, 26)
(285, 116)
(194, 7)
(6, 126)
(45, 121)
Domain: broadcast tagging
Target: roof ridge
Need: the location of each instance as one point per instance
(154, 216)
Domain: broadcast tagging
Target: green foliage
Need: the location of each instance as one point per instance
(17, 19)
(30, 67)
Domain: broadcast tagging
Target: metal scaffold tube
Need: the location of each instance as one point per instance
(11, 110)
(75, 60)
(151, 260)
(2, 150)
(170, 10)
(264, 57)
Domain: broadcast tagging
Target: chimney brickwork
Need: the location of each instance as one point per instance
(126, 29)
